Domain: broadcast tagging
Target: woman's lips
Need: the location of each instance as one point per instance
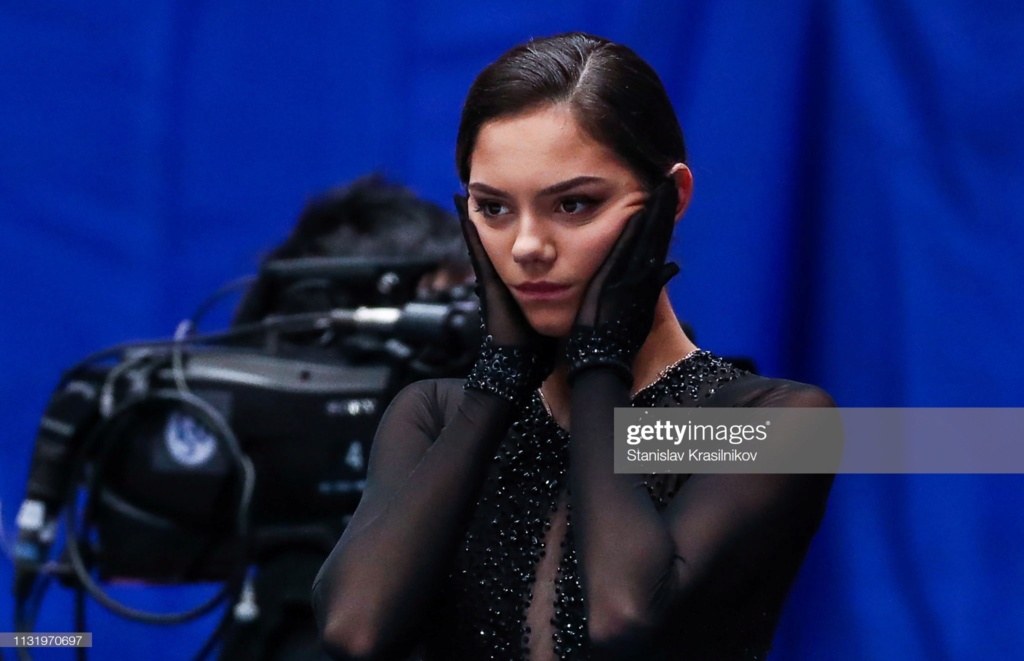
(541, 291)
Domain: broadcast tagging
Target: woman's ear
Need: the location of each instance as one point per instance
(684, 186)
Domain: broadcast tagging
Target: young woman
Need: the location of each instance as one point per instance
(492, 524)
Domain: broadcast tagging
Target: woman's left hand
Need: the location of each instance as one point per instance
(617, 311)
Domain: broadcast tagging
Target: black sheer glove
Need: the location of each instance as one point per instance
(514, 358)
(617, 310)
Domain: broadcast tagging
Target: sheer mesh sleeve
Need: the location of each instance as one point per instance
(426, 466)
(658, 578)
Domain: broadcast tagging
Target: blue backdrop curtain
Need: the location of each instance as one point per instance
(856, 224)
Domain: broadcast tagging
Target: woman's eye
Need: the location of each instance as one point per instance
(575, 205)
(490, 208)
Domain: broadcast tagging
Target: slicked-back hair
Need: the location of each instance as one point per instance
(614, 95)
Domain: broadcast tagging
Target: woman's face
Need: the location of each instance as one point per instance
(549, 202)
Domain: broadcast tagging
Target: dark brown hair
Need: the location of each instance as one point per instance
(616, 97)
(371, 217)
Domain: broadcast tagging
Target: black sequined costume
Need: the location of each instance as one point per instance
(478, 605)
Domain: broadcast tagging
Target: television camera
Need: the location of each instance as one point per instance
(190, 459)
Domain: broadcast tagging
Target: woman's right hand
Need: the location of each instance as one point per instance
(503, 319)
(515, 358)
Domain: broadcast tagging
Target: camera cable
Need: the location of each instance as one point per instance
(76, 536)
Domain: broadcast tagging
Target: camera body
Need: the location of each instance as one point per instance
(197, 459)
(163, 482)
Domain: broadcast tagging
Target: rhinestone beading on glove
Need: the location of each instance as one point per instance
(508, 372)
(612, 344)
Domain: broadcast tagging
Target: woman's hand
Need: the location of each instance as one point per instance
(503, 319)
(617, 310)
(515, 358)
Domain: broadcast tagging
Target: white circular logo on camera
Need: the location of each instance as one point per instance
(188, 441)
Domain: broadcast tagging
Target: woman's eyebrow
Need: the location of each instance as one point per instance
(554, 189)
(569, 184)
(476, 186)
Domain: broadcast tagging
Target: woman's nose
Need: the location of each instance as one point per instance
(532, 244)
